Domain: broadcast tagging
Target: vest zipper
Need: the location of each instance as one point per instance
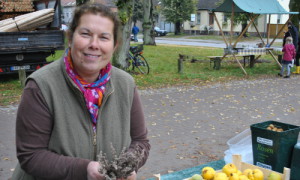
(94, 139)
(95, 144)
(95, 133)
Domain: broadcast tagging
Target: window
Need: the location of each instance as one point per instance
(198, 18)
(278, 18)
(211, 19)
(225, 18)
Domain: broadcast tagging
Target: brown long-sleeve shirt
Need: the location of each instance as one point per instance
(33, 131)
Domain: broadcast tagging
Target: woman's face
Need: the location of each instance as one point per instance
(92, 45)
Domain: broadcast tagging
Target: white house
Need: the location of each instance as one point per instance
(203, 21)
(68, 7)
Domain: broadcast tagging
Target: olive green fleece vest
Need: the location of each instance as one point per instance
(72, 133)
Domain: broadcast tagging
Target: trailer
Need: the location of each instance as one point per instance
(24, 46)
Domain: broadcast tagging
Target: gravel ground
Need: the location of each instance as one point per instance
(189, 126)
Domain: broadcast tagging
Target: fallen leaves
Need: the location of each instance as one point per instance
(192, 125)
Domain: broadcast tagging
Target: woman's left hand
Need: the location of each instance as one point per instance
(131, 177)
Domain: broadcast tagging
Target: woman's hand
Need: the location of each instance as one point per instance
(92, 171)
(131, 177)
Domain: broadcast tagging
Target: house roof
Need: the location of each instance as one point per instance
(108, 3)
(68, 2)
(207, 4)
(253, 6)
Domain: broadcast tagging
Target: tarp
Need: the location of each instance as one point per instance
(253, 6)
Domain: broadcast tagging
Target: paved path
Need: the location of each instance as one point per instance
(189, 126)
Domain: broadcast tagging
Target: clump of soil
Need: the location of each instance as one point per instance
(122, 165)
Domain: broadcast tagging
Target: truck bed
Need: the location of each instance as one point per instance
(31, 41)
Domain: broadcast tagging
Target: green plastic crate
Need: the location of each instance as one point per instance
(295, 164)
(271, 149)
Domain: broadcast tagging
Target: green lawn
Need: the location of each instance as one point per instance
(163, 61)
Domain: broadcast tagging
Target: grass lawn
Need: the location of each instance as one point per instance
(163, 61)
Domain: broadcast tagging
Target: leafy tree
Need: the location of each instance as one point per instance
(295, 7)
(238, 18)
(178, 11)
(138, 11)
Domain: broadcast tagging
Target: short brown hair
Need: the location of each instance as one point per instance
(97, 9)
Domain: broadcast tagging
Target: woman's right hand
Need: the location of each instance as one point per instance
(92, 171)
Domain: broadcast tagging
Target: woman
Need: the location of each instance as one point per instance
(80, 105)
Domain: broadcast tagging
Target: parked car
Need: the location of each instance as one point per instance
(131, 37)
(160, 32)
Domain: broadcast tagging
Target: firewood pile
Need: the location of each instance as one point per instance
(29, 21)
(16, 6)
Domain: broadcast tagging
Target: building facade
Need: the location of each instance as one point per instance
(203, 21)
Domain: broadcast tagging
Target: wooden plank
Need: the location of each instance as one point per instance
(223, 36)
(231, 23)
(240, 64)
(231, 56)
(268, 33)
(244, 31)
(22, 77)
(28, 21)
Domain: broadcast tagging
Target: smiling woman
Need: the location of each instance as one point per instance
(80, 105)
(92, 46)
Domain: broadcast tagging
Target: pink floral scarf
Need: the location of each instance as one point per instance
(93, 92)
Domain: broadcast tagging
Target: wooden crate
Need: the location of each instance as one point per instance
(237, 161)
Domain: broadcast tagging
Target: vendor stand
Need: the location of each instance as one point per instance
(253, 9)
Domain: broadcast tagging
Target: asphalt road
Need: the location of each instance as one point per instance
(189, 126)
(185, 41)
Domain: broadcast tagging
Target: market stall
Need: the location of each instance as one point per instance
(253, 9)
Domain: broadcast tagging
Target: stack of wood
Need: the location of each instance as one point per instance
(16, 6)
(29, 21)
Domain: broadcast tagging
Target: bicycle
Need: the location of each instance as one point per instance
(135, 59)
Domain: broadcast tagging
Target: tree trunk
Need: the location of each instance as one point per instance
(125, 13)
(149, 36)
(177, 28)
(295, 7)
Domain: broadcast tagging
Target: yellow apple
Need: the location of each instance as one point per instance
(220, 176)
(239, 172)
(234, 176)
(274, 176)
(229, 168)
(208, 173)
(196, 177)
(247, 171)
(258, 174)
(243, 177)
